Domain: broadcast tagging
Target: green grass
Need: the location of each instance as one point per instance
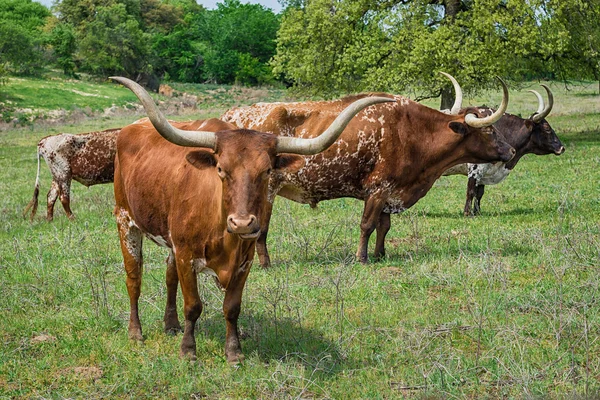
(504, 305)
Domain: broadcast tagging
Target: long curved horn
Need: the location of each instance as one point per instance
(308, 147)
(544, 113)
(476, 122)
(540, 102)
(166, 130)
(458, 94)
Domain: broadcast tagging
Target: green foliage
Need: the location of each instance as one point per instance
(399, 47)
(237, 38)
(113, 43)
(21, 36)
(63, 39)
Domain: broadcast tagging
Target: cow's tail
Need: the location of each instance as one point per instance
(33, 204)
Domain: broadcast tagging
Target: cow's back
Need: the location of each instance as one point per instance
(94, 162)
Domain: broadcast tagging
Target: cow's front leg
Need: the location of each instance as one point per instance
(131, 247)
(471, 184)
(373, 207)
(383, 227)
(192, 306)
(172, 325)
(231, 309)
(479, 189)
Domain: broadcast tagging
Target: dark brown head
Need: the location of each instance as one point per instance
(543, 139)
(481, 144)
(480, 141)
(244, 159)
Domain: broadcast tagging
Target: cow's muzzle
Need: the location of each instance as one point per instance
(559, 151)
(247, 227)
(507, 154)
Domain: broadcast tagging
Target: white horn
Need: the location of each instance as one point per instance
(544, 113)
(476, 122)
(540, 101)
(166, 130)
(320, 143)
(458, 94)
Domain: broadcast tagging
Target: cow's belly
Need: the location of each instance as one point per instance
(488, 174)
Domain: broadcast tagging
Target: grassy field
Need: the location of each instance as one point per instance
(503, 305)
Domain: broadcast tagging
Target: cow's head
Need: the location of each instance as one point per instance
(543, 139)
(244, 159)
(478, 139)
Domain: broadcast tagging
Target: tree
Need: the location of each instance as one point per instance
(21, 35)
(62, 38)
(338, 46)
(237, 37)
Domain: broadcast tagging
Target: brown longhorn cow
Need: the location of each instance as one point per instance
(87, 158)
(533, 135)
(199, 189)
(389, 156)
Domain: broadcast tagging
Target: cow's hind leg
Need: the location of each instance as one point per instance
(172, 325)
(373, 207)
(231, 309)
(65, 197)
(471, 185)
(52, 196)
(383, 227)
(131, 247)
(261, 242)
(479, 189)
(192, 306)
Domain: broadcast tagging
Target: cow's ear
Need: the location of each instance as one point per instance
(458, 127)
(289, 163)
(201, 159)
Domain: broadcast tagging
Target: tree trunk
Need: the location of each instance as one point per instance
(451, 9)
(447, 98)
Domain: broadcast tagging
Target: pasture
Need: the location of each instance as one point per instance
(502, 305)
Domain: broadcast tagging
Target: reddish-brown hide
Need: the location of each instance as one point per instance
(389, 156)
(204, 204)
(185, 199)
(87, 158)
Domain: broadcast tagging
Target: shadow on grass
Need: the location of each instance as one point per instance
(281, 339)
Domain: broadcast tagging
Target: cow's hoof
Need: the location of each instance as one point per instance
(235, 359)
(173, 329)
(188, 355)
(264, 261)
(136, 335)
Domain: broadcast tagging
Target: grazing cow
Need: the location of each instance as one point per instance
(389, 156)
(87, 158)
(201, 194)
(528, 136)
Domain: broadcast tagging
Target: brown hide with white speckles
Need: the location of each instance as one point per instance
(87, 158)
(389, 155)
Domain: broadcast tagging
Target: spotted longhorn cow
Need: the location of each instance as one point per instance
(87, 158)
(533, 135)
(389, 156)
(199, 189)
